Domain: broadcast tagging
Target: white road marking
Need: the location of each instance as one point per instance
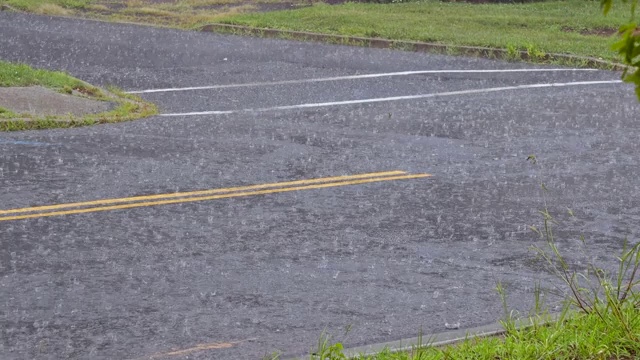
(397, 98)
(352, 77)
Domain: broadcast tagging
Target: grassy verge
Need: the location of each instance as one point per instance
(185, 14)
(128, 107)
(24, 75)
(570, 26)
(583, 336)
(575, 27)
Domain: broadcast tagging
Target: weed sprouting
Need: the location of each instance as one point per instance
(326, 350)
(594, 291)
(534, 53)
(513, 53)
(273, 356)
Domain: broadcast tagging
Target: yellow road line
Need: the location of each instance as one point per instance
(198, 348)
(200, 192)
(213, 197)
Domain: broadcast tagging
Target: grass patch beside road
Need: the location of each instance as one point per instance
(584, 336)
(580, 337)
(185, 14)
(25, 75)
(48, 7)
(571, 26)
(128, 107)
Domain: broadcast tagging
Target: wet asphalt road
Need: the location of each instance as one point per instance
(248, 276)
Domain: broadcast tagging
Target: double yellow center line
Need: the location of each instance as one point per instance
(202, 195)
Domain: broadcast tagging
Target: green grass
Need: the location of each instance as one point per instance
(184, 14)
(582, 336)
(24, 75)
(129, 107)
(51, 7)
(585, 336)
(5, 113)
(550, 26)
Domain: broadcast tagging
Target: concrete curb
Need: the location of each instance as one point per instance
(435, 340)
(26, 121)
(441, 339)
(476, 51)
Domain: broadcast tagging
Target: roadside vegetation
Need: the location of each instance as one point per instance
(185, 14)
(537, 28)
(578, 337)
(24, 75)
(575, 27)
(600, 318)
(559, 26)
(127, 107)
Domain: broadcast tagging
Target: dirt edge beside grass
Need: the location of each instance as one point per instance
(416, 46)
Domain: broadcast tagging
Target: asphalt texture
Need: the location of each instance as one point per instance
(244, 277)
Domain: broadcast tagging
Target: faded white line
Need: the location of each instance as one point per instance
(397, 98)
(352, 77)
